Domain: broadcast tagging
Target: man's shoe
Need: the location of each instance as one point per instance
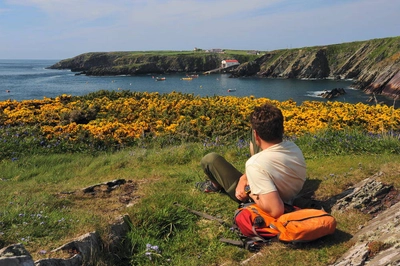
(207, 186)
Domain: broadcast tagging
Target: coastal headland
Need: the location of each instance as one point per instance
(373, 65)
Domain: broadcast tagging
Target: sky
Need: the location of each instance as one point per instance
(60, 29)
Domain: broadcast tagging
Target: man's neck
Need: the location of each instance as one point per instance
(266, 144)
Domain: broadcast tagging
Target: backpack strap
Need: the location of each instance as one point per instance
(238, 243)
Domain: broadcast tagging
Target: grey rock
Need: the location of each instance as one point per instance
(73, 261)
(116, 243)
(378, 242)
(86, 249)
(15, 255)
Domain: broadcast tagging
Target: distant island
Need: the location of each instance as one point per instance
(373, 65)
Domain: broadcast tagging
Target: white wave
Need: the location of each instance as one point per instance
(55, 76)
(315, 94)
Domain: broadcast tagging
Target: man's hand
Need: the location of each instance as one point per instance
(241, 193)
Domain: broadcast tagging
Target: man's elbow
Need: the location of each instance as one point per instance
(276, 213)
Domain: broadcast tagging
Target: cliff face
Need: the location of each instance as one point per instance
(374, 64)
(383, 78)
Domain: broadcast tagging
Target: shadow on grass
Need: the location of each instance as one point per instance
(338, 237)
(306, 197)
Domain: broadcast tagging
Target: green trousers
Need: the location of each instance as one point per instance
(222, 172)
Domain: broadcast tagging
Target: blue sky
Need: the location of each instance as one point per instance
(59, 29)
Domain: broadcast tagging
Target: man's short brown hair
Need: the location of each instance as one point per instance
(267, 121)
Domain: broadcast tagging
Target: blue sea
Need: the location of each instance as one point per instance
(29, 79)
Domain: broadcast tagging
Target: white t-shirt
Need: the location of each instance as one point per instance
(280, 167)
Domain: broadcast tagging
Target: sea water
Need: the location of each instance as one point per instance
(30, 79)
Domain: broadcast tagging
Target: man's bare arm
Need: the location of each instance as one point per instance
(271, 203)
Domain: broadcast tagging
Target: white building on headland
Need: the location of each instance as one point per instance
(218, 51)
(229, 62)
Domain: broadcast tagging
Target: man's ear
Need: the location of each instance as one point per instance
(257, 138)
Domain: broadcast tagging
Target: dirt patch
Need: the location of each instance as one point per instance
(109, 198)
(122, 190)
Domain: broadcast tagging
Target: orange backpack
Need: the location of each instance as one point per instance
(296, 225)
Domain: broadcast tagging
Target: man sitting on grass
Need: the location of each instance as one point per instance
(273, 176)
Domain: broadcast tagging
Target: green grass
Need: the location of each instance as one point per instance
(36, 212)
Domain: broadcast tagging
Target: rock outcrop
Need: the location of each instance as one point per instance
(85, 250)
(333, 93)
(15, 255)
(378, 242)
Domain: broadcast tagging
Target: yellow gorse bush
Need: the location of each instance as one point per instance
(127, 117)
